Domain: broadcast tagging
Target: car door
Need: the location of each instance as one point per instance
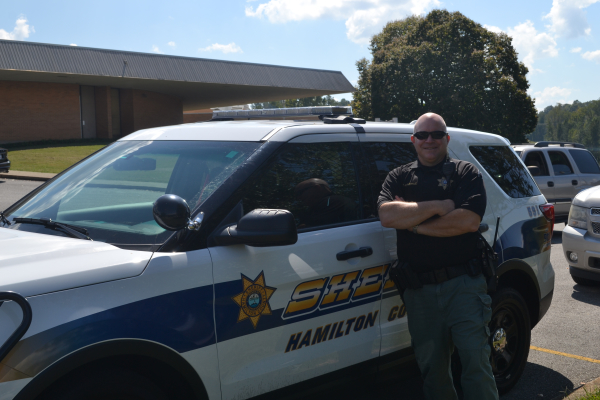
(384, 153)
(565, 182)
(587, 168)
(545, 182)
(291, 313)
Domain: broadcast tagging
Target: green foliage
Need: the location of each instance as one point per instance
(448, 64)
(578, 122)
(304, 102)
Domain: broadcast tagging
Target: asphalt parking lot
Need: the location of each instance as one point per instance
(563, 355)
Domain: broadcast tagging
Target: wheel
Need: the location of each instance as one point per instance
(510, 337)
(584, 282)
(106, 384)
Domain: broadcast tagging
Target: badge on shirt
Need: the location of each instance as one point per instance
(444, 183)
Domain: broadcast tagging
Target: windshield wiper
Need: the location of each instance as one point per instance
(73, 231)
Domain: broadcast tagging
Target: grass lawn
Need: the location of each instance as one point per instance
(51, 157)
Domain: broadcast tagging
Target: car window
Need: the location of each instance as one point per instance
(560, 163)
(506, 170)
(384, 157)
(111, 194)
(585, 161)
(537, 159)
(315, 181)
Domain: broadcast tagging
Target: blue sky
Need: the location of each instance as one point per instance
(559, 40)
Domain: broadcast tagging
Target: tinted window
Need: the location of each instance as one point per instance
(384, 157)
(506, 170)
(315, 181)
(537, 159)
(560, 163)
(585, 162)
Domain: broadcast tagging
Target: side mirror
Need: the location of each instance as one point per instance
(172, 213)
(261, 228)
(534, 171)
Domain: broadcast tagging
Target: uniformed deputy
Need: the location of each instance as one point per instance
(436, 220)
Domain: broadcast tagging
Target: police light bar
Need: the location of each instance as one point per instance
(283, 112)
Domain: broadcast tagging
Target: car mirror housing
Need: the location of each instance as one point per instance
(171, 212)
(261, 228)
(533, 170)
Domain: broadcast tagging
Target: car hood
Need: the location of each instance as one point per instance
(588, 198)
(33, 263)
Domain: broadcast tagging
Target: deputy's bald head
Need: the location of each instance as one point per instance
(430, 122)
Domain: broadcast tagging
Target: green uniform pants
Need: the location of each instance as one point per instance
(441, 316)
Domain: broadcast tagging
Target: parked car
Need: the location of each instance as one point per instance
(561, 170)
(4, 162)
(581, 238)
(253, 288)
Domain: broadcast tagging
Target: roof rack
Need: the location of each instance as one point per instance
(561, 144)
(283, 113)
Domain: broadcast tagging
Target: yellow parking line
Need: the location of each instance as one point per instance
(558, 353)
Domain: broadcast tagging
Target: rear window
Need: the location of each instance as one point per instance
(585, 162)
(506, 170)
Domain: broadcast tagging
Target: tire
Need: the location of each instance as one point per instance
(584, 282)
(106, 384)
(510, 320)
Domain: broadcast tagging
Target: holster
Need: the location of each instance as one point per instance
(404, 277)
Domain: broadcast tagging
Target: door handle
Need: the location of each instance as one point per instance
(362, 252)
(574, 181)
(550, 184)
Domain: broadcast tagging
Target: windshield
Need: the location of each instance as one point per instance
(111, 193)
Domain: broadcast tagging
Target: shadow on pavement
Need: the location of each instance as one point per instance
(587, 294)
(557, 237)
(539, 382)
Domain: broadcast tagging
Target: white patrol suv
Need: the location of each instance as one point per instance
(275, 280)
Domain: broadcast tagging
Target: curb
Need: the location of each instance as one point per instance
(29, 176)
(582, 391)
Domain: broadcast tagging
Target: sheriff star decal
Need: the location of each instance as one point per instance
(254, 300)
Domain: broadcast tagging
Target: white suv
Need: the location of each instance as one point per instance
(267, 285)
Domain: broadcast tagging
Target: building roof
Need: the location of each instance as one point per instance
(199, 82)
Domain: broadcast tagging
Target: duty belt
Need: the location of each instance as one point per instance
(446, 273)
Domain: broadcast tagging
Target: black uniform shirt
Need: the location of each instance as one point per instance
(415, 182)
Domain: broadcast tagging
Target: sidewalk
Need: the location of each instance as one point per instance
(589, 387)
(29, 176)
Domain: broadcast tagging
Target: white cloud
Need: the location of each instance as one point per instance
(364, 18)
(72, 44)
(225, 48)
(575, 50)
(592, 56)
(21, 31)
(531, 44)
(568, 19)
(493, 28)
(551, 95)
(172, 44)
(156, 50)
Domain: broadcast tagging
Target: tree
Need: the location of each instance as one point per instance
(304, 102)
(448, 64)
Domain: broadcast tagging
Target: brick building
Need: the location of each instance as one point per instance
(68, 92)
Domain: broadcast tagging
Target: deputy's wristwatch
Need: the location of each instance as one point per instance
(415, 229)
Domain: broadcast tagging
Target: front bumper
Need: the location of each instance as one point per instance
(587, 248)
(4, 166)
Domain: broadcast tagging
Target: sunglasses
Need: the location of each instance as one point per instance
(435, 134)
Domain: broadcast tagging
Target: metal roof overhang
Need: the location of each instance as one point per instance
(199, 83)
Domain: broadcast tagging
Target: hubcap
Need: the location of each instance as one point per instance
(499, 340)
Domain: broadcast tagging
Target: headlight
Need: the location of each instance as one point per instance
(577, 217)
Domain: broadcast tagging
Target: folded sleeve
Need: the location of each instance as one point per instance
(390, 188)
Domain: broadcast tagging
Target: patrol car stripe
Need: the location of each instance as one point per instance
(181, 320)
(524, 239)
